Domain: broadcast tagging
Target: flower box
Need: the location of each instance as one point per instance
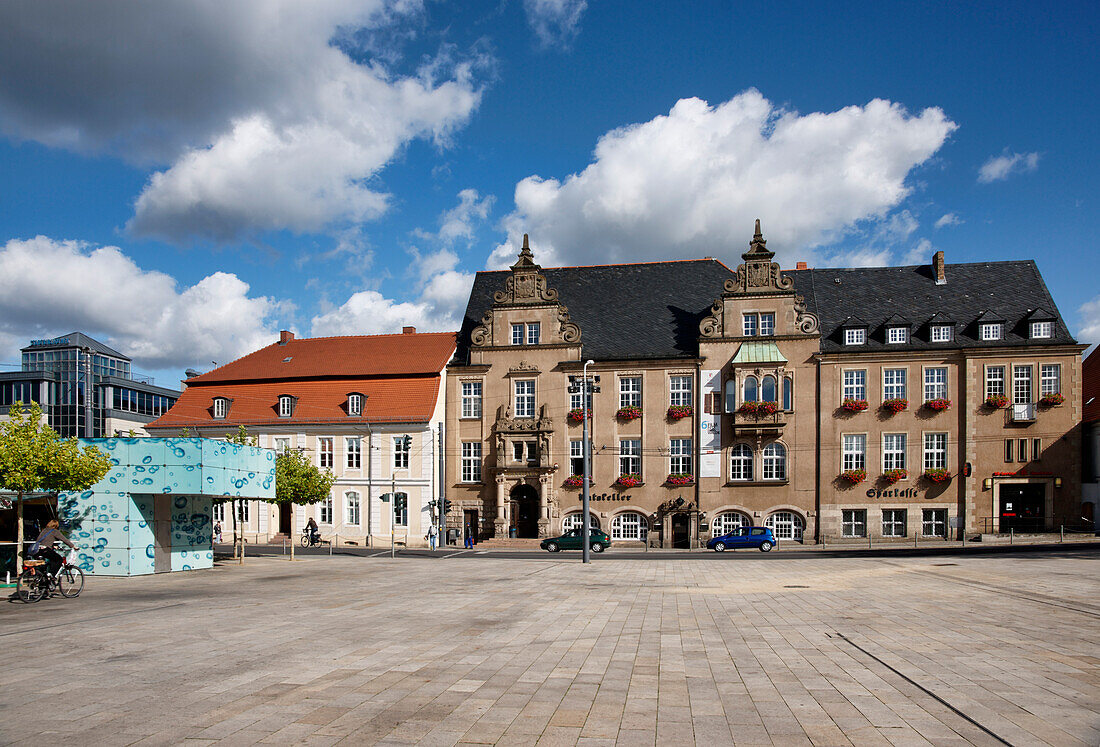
(759, 409)
(628, 481)
(996, 401)
(576, 415)
(1052, 400)
(939, 405)
(893, 475)
(679, 412)
(854, 405)
(574, 481)
(681, 478)
(630, 412)
(895, 405)
(854, 476)
(940, 474)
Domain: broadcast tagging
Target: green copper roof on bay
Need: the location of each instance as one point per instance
(758, 351)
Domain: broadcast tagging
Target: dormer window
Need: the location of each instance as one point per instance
(941, 333)
(1042, 330)
(855, 336)
(355, 404)
(993, 331)
(286, 405)
(221, 408)
(897, 335)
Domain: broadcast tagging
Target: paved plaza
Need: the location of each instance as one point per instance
(494, 650)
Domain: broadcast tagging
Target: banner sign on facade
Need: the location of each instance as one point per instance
(710, 424)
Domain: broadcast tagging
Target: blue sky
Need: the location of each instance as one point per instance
(184, 181)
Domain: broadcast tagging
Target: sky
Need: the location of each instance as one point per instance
(183, 180)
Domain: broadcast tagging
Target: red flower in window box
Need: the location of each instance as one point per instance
(854, 405)
(680, 478)
(939, 405)
(574, 481)
(630, 412)
(939, 474)
(759, 409)
(996, 401)
(679, 412)
(576, 415)
(893, 475)
(629, 480)
(854, 476)
(1052, 400)
(895, 405)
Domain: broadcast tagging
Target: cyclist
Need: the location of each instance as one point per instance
(314, 533)
(42, 548)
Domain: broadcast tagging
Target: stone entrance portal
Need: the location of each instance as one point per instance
(525, 511)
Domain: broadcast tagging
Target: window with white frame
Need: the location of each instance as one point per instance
(355, 404)
(575, 520)
(1050, 379)
(244, 508)
(282, 444)
(935, 450)
(854, 451)
(679, 391)
(1021, 385)
(576, 457)
(729, 522)
(893, 450)
(286, 406)
(630, 456)
(1040, 330)
(576, 403)
(525, 397)
(471, 399)
(526, 333)
(629, 527)
(855, 385)
(401, 512)
(219, 512)
(893, 383)
(1021, 453)
(221, 407)
(853, 522)
(679, 450)
(767, 324)
(897, 335)
(325, 459)
(893, 522)
(533, 333)
(748, 325)
(994, 381)
(786, 525)
(741, 462)
(630, 391)
(935, 383)
(353, 454)
(934, 522)
(941, 333)
(402, 445)
(471, 461)
(326, 510)
(351, 504)
(775, 462)
(517, 334)
(855, 336)
(992, 331)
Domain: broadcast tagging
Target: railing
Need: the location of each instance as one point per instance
(1022, 413)
(1037, 524)
(745, 421)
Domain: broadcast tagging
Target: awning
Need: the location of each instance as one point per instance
(758, 351)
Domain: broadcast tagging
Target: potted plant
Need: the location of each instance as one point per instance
(680, 478)
(939, 405)
(851, 404)
(938, 474)
(679, 412)
(893, 475)
(630, 412)
(576, 415)
(1052, 400)
(854, 476)
(574, 481)
(996, 401)
(758, 409)
(896, 404)
(629, 480)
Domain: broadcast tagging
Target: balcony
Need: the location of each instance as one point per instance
(746, 423)
(1022, 413)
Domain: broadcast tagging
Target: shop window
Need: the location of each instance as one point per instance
(853, 522)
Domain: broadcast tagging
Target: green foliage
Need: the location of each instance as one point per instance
(298, 481)
(240, 437)
(33, 457)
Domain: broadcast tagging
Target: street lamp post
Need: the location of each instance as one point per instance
(586, 388)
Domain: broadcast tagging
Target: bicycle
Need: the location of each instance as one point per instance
(35, 582)
(309, 539)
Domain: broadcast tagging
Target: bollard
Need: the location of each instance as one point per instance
(1062, 533)
(915, 535)
(284, 547)
(868, 539)
(331, 542)
(1011, 534)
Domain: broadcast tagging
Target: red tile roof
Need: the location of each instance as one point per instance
(1090, 378)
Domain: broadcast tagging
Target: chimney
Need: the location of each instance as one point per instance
(408, 330)
(285, 337)
(937, 268)
(800, 266)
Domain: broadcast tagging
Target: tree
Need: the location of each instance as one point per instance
(34, 458)
(298, 482)
(240, 437)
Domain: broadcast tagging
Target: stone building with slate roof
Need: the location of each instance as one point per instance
(838, 404)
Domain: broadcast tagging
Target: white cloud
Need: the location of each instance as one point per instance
(555, 22)
(921, 254)
(1089, 331)
(689, 184)
(461, 221)
(264, 122)
(948, 219)
(50, 287)
(1002, 166)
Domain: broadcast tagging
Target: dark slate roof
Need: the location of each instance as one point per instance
(79, 340)
(1011, 290)
(639, 311)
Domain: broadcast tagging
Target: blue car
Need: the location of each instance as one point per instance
(761, 537)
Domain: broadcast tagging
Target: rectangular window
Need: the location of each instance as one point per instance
(893, 451)
(679, 390)
(935, 383)
(401, 511)
(1050, 379)
(533, 331)
(243, 510)
(219, 512)
(576, 403)
(748, 325)
(992, 332)
(525, 398)
(1041, 330)
(351, 500)
(893, 383)
(630, 456)
(896, 335)
(856, 336)
(855, 385)
(1021, 385)
(221, 408)
(853, 522)
(325, 453)
(286, 407)
(576, 457)
(353, 453)
(471, 399)
(1009, 449)
(326, 510)
(471, 461)
(282, 444)
(1021, 450)
(355, 404)
(401, 447)
(630, 391)
(935, 450)
(517, 334)
(1036, 449)
(517, 451)
(680, 455)
(893, 522)
(994, 381)
(934, 522)
(941, 333)
(854, 451)
(767, 324)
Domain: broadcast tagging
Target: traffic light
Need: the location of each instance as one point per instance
(400, 501)
(406, 442)
(446, 505)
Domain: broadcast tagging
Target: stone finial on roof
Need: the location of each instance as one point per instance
(526, 258)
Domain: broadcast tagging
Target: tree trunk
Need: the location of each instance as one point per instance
(19, 534)
(292, 527)
(233, 507)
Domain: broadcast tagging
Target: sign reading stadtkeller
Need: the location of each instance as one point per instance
(710, 424)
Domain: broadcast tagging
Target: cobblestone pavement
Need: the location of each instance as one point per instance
(833, 651)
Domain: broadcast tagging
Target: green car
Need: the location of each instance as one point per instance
(597, 541)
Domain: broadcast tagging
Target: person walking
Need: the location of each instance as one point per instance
(217, 532)
(469, 543)
(433, 532)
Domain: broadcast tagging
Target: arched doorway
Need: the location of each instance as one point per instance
(525, 511)
(681, 531)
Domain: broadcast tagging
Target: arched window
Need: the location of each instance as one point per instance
(741, 462)
(351, 502)
(629, 527)
(767, 389)
(775, 462)
(788, 394)
(731, 396)
(750, 389)
(786, 525)
(572, 521)
(728, 522)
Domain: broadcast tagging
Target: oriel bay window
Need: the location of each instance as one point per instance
(768, 389)
(525, 398)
